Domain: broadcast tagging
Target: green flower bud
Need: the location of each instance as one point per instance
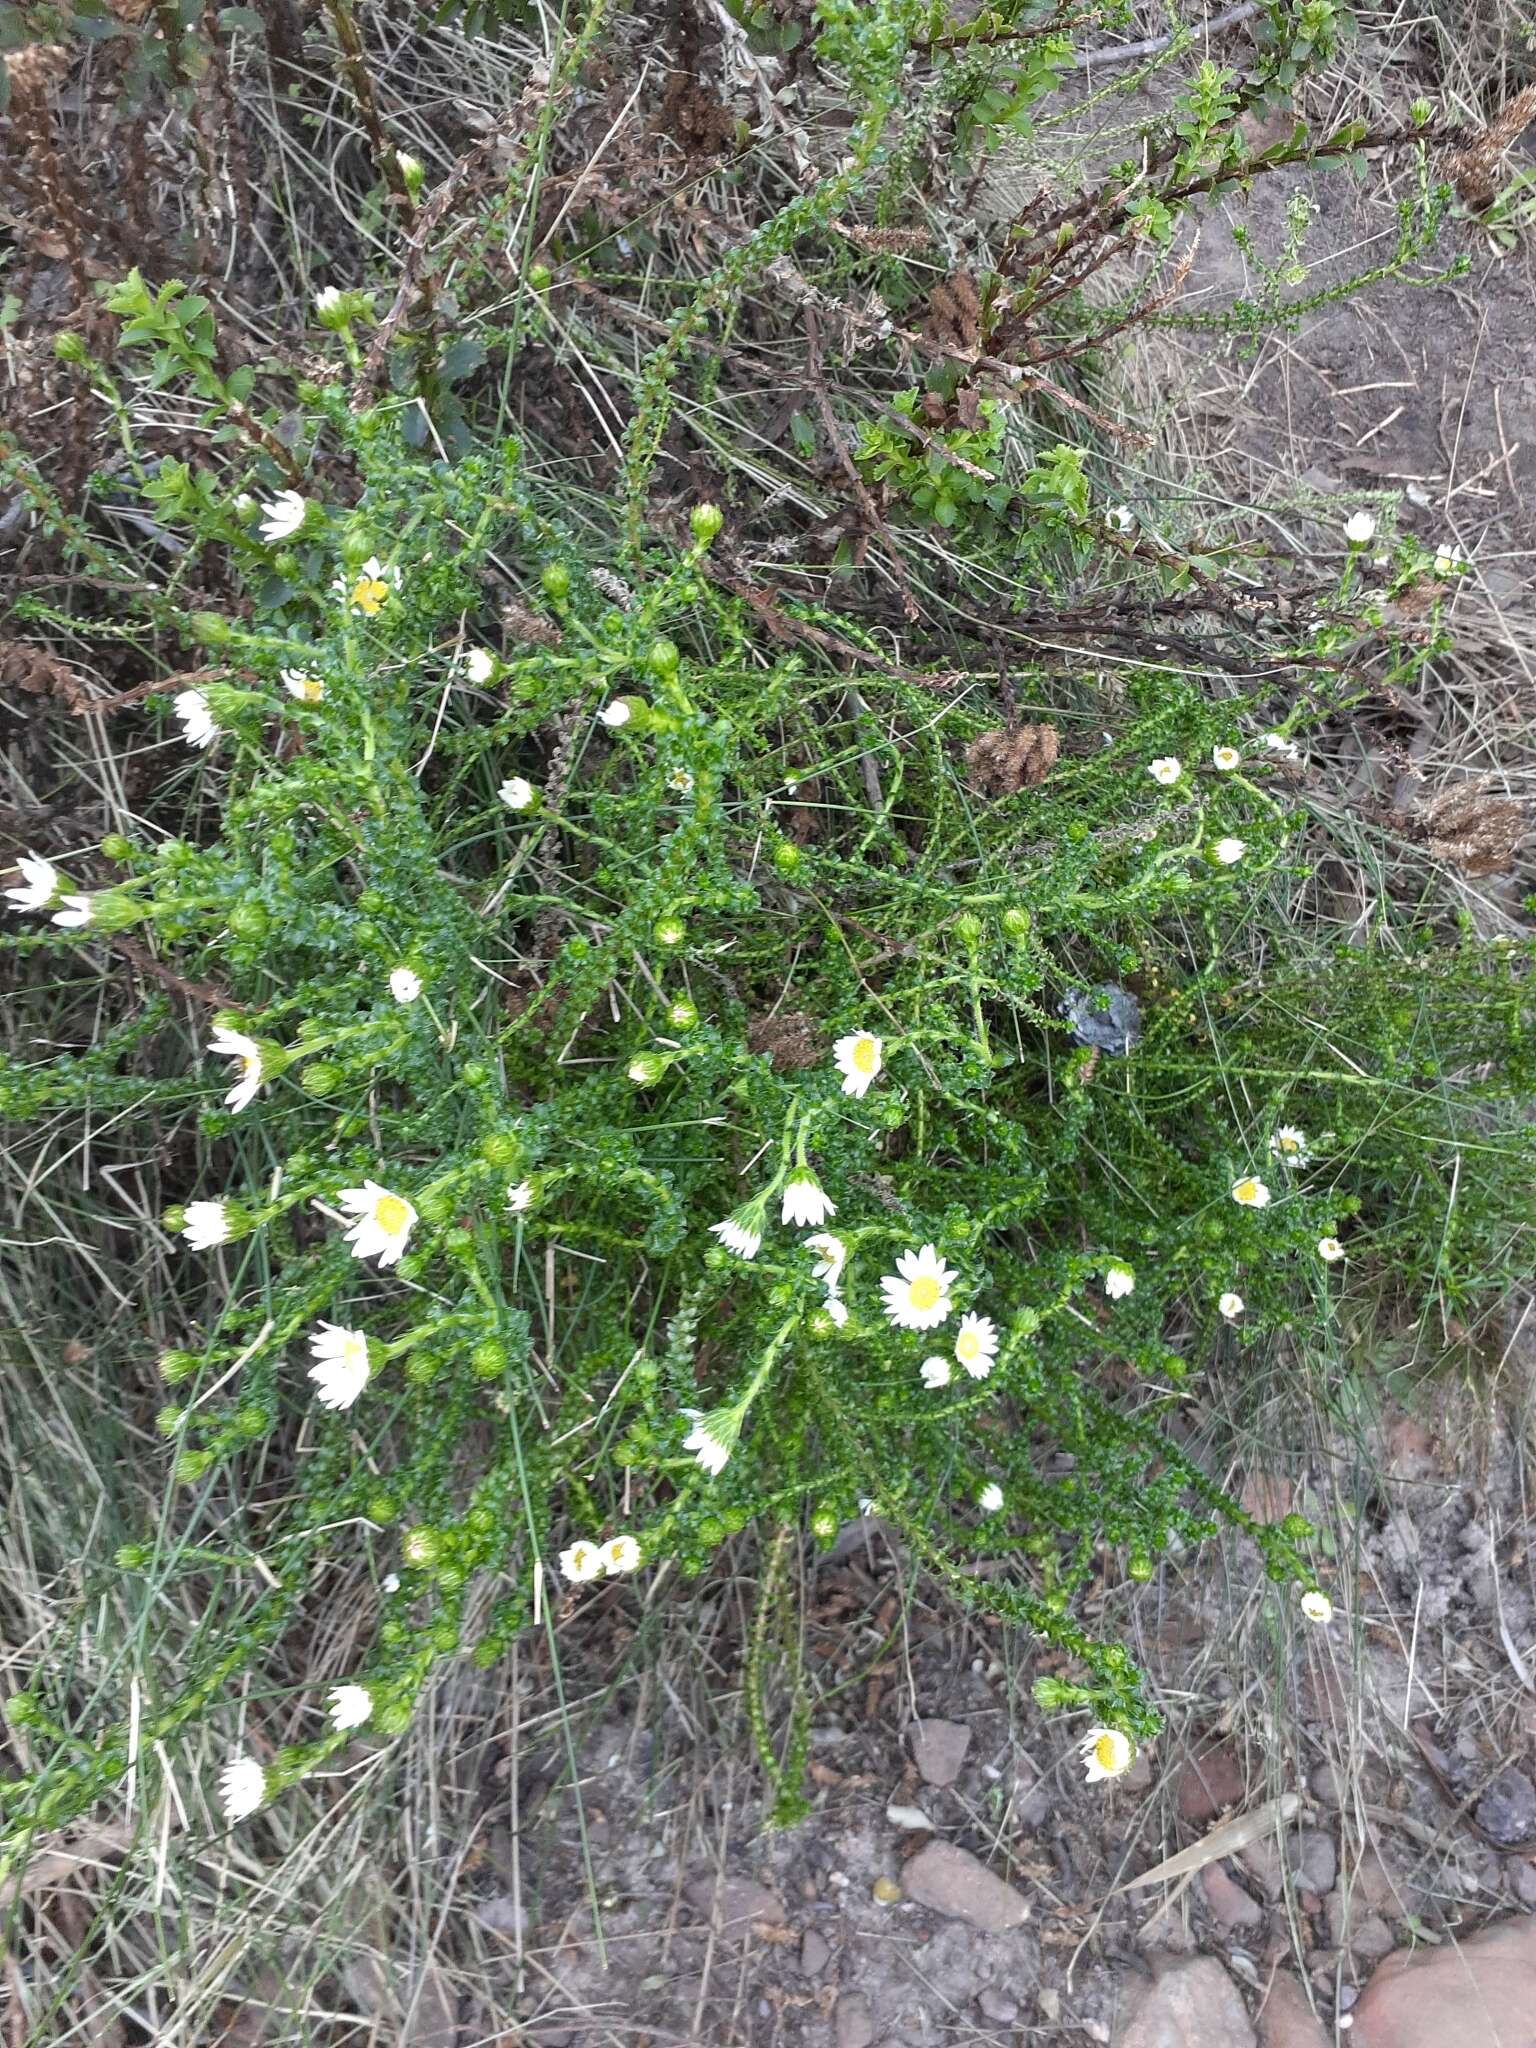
(176, 1365)
(115, 847)
(556, 581)
(787, 857)
(380, 1507)
(249, 920)
(191, 1466)
(488, 1360)
(320, 1077)
(421, 1545)
(131, 1557)
(669, 931)
(681, 1014)
(169, 1420)
(968, 928)
(174, 1220)
(69, 348)
(824, 1525)
(1016, 922)
(411, 172)
(22, 1710)
(647, 1068)
(540, 277)
(705, 522)
(663, 658)
(501, 1149)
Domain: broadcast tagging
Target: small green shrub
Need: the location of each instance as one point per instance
(692, 1070)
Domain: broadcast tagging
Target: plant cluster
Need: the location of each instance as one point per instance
(662, 1076)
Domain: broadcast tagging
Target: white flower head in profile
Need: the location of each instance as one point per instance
(197, 726)
(936, 1371)
(836, 1311)
(1283, 749)
(348, 1707)
(742, 1231)
(246, 1053)
(382, 1222)
(283, 516)
(581, 1561)
(74, 912)
(1119, 1280)
(327, 299)
(990, 1498)
(1166, 769)
(1359, 529)
(242, 1788)
(1231, 1306)
(520, 1197)
(712, 1438)
(404, 984)
(831, 1256)
(620, 1554)
(38, 886)
(306, 688)
(341, 1368)
(1228, 852)
(517, 793)
(1105, 1753)
(804, 1201)
(917, 1294)
(859, 1060)
(616, 713)
(206, 1224)
(976, 1345)
(480, 665)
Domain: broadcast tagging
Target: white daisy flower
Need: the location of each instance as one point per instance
(976, 1345)
(327, 299)
(1105, 1753)
(370, 589)
(804, 1201)
(74, 911)
(383, 1222)
(242, 1788)
(39, 883)
(615, 714)
(1229, 852)
(234, 1045)
(516, 793)
(1330, 1250)
(1119, 1281)
(1359, 529)
(712, 1438)
(858, 1058)
(1290, 1145)
(836, 1311)
(936, 1371)
(1249, 1193)
(480, 665)
(581, 1561)
(620, 1554)
(341, 1368)
(390, 1583)
(206, 1224)
(307, 688)
(349, 1707)
(1449, 559)
(283, 516)
(681, 779)
(1120, 519)
(520, 1197)
(742, 1231)
(1231, 1306)
(990, 1498)
(831, 1256)
(1166, 769)
(1226, 759)
(1317, 1607)
(404, 984)
(197, 726)
(917, 1293)
(1287, 750)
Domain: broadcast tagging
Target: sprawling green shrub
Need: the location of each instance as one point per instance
(693, 1066)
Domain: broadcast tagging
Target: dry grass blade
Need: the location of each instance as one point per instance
(1225, 1840)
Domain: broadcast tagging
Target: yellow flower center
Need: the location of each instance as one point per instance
(368, 595)
(250, 1066)
(864, 1055)
(1289, 1145)
(967, 1346)
(1106, 1751)
(1245, 1190)
(311, 690)
(391, 1214)
(923, 1291)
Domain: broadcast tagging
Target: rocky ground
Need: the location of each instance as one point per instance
(1343, 1823)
